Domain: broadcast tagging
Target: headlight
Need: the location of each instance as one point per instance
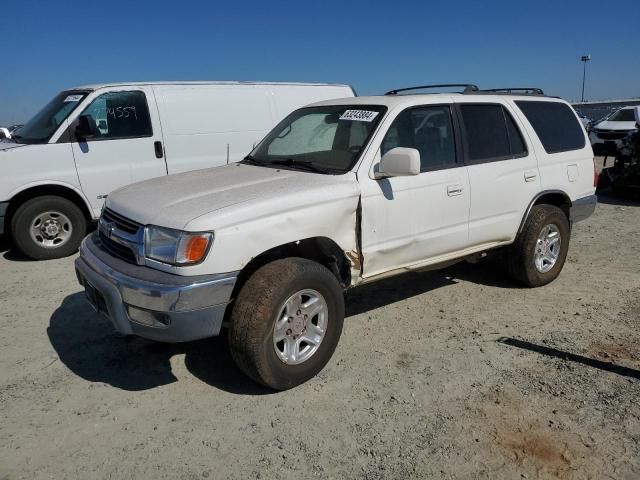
(174, 246)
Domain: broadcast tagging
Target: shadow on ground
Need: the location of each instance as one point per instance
(571, 357)
(402, 287)
(89, 346)
(609, 198)
(9, 252)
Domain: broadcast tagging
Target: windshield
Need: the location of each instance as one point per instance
(625, 115)
(322, 139)
(40, 128)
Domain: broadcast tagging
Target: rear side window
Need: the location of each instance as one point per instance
(491, 133)
(555, 124)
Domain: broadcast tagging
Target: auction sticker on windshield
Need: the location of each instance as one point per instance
(359, 115)
(73, 98)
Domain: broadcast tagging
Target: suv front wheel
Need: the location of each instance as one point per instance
(538, 254)
(286, 322)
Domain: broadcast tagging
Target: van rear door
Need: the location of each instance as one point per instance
(122, 141)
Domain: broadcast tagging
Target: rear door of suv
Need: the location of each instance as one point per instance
(502, 166)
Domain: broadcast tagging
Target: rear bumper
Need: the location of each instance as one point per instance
(152, 304)
(3, 212)
(583, 208)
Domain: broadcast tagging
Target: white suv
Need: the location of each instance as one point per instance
(340, 193)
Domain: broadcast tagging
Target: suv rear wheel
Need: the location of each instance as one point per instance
(286, 322)
(538, 254)
(48, 227)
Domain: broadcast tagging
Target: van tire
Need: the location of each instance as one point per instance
(62, 214)
(257, 309)
(520, 256)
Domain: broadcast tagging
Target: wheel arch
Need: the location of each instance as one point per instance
(56, 189)
(322, 250)
(557, 198)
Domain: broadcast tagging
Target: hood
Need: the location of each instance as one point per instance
(225, 195)
(6, 145)
(608, 125)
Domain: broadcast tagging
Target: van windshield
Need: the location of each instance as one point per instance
(40, 128)
(326, 139)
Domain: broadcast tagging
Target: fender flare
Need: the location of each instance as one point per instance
(535, 199)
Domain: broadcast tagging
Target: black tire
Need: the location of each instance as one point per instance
(255, 311)
(520, 261)
(25, 216)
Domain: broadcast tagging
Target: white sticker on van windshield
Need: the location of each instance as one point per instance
(359, 115)
(73, 98)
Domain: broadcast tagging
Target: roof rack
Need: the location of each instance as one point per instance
(468, 87)
(525, 90)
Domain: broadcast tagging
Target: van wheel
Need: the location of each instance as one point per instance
(48, 227)
(538, 254)
(286, 322)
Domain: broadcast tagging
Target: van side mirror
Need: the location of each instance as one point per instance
(86, 128)
(399, 162)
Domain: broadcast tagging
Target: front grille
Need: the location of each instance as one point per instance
(611, 134)
(120, 222)
(116, 249)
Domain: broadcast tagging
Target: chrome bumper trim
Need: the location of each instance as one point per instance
(166, 307)
(161, 296)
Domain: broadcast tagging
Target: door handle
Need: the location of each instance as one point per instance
(157, 146)
(453, 190)
(530, 176)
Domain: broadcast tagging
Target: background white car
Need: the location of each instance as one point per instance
(606, 135)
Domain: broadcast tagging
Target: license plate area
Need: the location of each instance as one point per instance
(95, 298)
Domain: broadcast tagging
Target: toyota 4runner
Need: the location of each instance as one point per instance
(340, 193)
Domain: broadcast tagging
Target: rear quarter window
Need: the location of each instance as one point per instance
(555, 124)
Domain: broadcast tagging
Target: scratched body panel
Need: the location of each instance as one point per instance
(241, 204)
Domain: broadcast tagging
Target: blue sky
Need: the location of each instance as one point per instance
(374, 46)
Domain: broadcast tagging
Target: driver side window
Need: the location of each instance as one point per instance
(428, 130)
(118, 115)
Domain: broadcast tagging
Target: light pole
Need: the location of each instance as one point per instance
(584, 59)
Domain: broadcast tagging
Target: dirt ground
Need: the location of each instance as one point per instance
(451, 374)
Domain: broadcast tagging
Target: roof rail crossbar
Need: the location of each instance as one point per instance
(530, 90)
(468, 87)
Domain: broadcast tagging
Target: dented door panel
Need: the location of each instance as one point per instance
(406, 220)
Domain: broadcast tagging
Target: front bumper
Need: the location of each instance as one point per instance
(3, 212)
(583, 208)
(146, 302)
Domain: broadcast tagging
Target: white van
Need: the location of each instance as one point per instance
(90, 140)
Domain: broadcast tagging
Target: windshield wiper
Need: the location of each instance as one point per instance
(251, 159)
(293, 163)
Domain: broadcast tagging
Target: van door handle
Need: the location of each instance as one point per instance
(157, 146)
(453, 190)
(530, 176)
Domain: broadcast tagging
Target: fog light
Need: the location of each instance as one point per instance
(148, 318)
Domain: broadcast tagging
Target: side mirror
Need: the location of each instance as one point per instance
(86, 128)
(399, 162)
